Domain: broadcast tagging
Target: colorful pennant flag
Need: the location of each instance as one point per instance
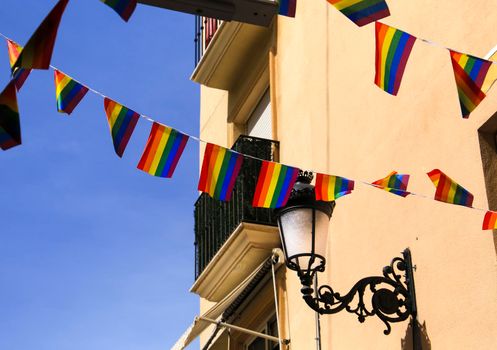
(38, 51)
(122, 122)
(274, 185)
(393, 48)
(490, 221)
(472, 79)
(329, 187)
(68, 92)
(288, 8)
(362, 12)
(20, 74)
(394, 183)
(449, 191)
(163, 151)
(10, 128)
(124, 8)
(220, 169)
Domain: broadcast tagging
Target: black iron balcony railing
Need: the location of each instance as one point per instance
(205, 28)
(216, 220)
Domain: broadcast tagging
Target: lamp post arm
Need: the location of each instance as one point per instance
(392, 297)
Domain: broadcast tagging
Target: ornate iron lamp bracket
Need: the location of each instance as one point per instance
(392, 300)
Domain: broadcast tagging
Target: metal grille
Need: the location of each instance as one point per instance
(205, 28)
(216, 220)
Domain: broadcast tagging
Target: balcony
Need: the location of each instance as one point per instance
(224, 50)
(258, 12)
(216, 220)
(247, 233)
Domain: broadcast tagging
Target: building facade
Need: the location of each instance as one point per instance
(302, 93)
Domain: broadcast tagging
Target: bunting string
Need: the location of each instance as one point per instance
(164, 148)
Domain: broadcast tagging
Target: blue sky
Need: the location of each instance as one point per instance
(95, 254)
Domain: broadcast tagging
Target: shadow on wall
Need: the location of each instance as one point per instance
(488, 148)
(417, 338)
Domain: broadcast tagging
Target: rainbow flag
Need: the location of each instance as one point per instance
(10, 128)
(124, 8)
(38, 51)
(68, 92)
(490, 221)
(163, 151)
(362, 12)
(472, 79)
(448, 190)
(394, 183)
(122, 122)
(393, 48)
(274, 185)
(329, 187)
(288, 8)
(20, 75)
(220, 169)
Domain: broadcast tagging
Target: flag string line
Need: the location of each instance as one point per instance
(198, 139)
(440, 46)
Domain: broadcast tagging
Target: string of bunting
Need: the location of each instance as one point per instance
(221, 166)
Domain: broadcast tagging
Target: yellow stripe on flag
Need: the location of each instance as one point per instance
(384, 53)
(159, 150)
(217, 170)
(272, 185)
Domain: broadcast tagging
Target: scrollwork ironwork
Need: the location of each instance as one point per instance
(391, 295)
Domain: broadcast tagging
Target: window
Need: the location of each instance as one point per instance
(270, 328)
(260, 122)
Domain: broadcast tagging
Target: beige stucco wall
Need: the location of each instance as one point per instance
(332, 118)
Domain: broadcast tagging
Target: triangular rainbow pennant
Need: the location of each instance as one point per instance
(10, 128)
(474, 77)
(274, 185)
(220, 169)
(393, 48)
(288, 8)
(490, 221)
(68, 92)
(122, 122)
(38, 51)
(449, 191)
(362, 12)
(124, 8)
(394, 183)
(329, 187)
(162, 151)
(20, 74)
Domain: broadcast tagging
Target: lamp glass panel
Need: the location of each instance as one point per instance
(297, 228)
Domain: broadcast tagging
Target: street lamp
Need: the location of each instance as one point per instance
(303, 225)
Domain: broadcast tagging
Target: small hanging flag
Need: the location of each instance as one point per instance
(472, 80)
(288, 8)
(274, 185)
(122, 122)
(220, 169)
(163, 151)
(449, 191)
(362, 12)
(10, 128)
(329, 187)
(394, 183)
(20, 74)
(490, 221)
(38, 51)
(393, 48)
(124, 8)
(68, 92)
